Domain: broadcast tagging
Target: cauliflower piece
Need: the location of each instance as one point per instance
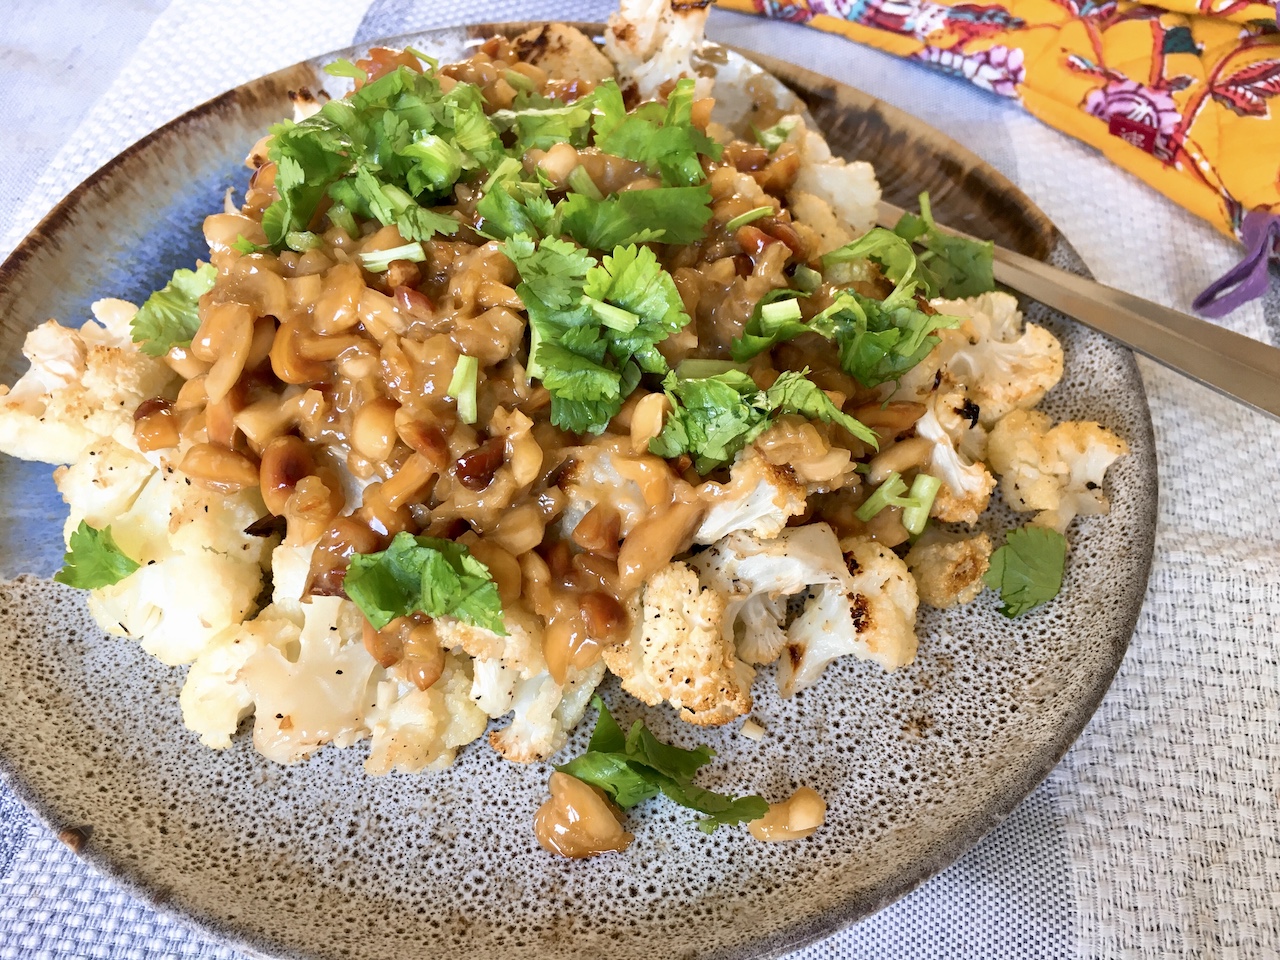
(215, 698)
(630, 484)
(564, 52)
(102, 484)
(814, 214)
(966, 486)
(756, 576)
(652, 42)
(316, 689)
(948, 570)
(83, 385)
(415, 730)
(681, 655)
(849, 189)
(186, 539)
(544, 712)
(510, 674)
(870, 613)
(1058, 471)
(169, 604)
(1003, 369)
(759, 498)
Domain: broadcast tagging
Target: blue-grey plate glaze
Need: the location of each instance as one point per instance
(320, 861)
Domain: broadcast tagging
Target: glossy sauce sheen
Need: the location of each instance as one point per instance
(792, 819)
(578, 821)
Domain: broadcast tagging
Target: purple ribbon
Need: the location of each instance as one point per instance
(1261, 235)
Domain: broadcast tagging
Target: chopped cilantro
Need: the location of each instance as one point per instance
(950, 266)
(424, 574)
(715, 416)
(542, 123)
(93, 559)
(771, 138)
(742, 219)
(669, 214)
(662, 138)
(390, 151)
(635, 766)
(171, 316)
(572, 299)
(1027, 570)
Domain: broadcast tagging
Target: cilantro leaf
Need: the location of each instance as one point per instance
(392, 150)
(424, 574)
(711, 418)
(93, 559)
(639, 766)
(714, 417)
(1027, 570)
(662, 138)
(794, 392)
(632, 278)
(571, 300)
(950, 266)
(892, 252)
(879, 340)
(766, 327)
(669, 214)
(543, 122)
(509, 208)
(171, 316)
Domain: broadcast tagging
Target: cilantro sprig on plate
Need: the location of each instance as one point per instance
(635, 766)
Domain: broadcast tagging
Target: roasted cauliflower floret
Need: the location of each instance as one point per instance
(652, 42)
(83, 385)
(948, 570)
(759, 498)
(756, 576)
(812, 213)
(510, 674)
(415, 730)
(564, 52)
(681, 655)
(543, 713)
(314, 690)
(849, 189)
(200, 573)
(870, 613)
(215, 698)
(1005, 365)
(966, 486)
(1057, 471)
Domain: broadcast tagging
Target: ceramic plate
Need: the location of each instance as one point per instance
(319, 861)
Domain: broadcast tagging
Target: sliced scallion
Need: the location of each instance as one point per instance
(378, 261)
(742, 219)
(463, 387)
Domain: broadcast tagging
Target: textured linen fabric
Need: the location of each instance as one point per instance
(1156, 836)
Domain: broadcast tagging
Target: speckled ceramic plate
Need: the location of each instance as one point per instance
(319, 861)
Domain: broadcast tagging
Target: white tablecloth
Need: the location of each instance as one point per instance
(1156, 836)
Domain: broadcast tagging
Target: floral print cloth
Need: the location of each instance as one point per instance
(1185, 95)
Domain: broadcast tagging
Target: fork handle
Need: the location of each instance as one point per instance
(1236, 366)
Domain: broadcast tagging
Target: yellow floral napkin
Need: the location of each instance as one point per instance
(1185, 95)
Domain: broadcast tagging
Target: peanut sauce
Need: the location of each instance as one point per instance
(792, 819)
(326, 386)
(578, 821)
